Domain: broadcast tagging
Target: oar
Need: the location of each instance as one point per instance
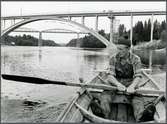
(35, 80)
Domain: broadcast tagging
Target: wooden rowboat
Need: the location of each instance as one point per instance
(80, 111)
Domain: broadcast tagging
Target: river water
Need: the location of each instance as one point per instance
(53, 63)
(23, 102)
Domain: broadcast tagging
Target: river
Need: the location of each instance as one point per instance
(23, 102)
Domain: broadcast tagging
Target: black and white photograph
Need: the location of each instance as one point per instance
(83, 62)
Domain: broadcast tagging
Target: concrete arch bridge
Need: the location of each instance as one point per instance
(84, 28)
(61, 17)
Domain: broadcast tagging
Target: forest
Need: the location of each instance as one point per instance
(141, 33)
(26, 40)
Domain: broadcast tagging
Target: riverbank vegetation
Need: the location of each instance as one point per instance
(141, 34)
(88, 41)
(155, 44)
(26, 40)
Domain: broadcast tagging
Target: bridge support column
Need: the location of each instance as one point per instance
(14, 21)
(40, 39)
(152, 27)
(69, 17)
(11, 22)
(96, 24)
(151, 40)
(1, 25)
(78, 43)
(4, 24)
(131, 31)
(111, 27)
(83, 20)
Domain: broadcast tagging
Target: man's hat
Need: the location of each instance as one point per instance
(124, 41)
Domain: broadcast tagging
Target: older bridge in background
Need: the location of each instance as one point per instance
(56, 30)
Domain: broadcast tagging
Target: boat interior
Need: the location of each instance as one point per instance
(121, 108)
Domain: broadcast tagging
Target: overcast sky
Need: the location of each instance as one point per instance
(30, 8)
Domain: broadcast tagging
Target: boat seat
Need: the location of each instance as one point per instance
(122, 112)
(121, 109)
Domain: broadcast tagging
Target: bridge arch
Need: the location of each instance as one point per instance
(50, 30)
(94, 33)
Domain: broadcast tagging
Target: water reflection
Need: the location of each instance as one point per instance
(23, 60)
(88, 61)
(40, 55)
(95, 60)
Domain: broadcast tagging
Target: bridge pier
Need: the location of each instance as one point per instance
(40, 39)
(4, 24)
(111, 17)
(78, 43)
(83, 20)
(151, 40)
(69, 17)
(96, 23)
(1, 25)
(131, 31)
(14, 21)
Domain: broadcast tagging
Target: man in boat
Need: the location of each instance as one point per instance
(124, 73)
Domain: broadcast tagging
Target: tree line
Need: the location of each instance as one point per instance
(141, 33)
(26, 40)
(88, 41)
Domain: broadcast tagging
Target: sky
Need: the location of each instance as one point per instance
(31, 8)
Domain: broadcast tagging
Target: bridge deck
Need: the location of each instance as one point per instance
(63, 15)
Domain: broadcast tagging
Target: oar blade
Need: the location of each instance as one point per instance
(26, 79)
